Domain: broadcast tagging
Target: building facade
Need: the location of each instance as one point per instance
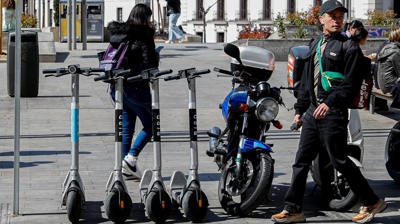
(225, 18)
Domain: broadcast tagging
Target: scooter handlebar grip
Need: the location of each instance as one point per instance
(124, 72)
(172, 77)
(47, 71)
(223, 71)
(98, 78)
(97, 69)
(134, 78)
(201, 72)
(164, 72)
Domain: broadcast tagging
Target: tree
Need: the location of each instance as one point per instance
(204, 13)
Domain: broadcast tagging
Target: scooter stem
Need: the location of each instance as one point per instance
(155, 104)
(118, 124)
(193, 126)
(75, 121)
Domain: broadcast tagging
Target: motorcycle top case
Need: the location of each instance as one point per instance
(295, 65)
(259, 62)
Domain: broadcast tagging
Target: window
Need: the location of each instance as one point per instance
(317, 2)
(292, 6)
(119, 14)
(266, 10)
(199, 5)
(243, 10)
(221, 10)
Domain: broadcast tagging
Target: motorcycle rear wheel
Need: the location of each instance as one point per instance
(257, 173)
(392, 153)
(346, 198)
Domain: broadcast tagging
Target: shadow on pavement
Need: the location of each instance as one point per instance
(61, 56)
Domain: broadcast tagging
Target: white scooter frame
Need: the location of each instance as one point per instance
(184, 192)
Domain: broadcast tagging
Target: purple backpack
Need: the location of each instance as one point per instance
(114, 58)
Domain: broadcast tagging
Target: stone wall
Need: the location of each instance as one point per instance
(280, 48)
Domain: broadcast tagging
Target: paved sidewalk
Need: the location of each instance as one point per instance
(45, 143)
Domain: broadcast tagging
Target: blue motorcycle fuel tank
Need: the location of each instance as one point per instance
(233, 98)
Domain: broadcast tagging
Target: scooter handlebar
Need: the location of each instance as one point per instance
(164, 72)
(123, 73)
(223, 71)
(100, 77)
(47, 71)
(134, 78)
(97, 69)
(201, 72)
(172, 77)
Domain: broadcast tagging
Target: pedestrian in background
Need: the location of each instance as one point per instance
(174, 12)
(8, 15)
(324, 116)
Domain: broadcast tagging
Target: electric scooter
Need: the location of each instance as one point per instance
(73, 191)
(118, 203)
(187, 193)
(152, 189)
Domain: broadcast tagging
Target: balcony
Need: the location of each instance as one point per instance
(264, 14)
(242, 15)
(219, 15)
(197, 16)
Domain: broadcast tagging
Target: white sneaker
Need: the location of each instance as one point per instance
(169, 42)
(182, 39)
(128, 176)
(130, 164)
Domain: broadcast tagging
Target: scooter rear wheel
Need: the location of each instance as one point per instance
(158, 210)
(194, 209)
(74, 206)
(392, 153)
(118, 204)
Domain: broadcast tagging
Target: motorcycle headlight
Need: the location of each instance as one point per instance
(267, 109)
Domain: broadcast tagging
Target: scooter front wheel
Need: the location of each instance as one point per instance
(74, 206)
(158, 206)
(392, 153)
(195, 205)
(118, 204)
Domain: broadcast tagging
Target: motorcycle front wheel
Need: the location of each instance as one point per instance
(240, 197)
(392, 153)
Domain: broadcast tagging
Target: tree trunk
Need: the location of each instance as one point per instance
(204, 28)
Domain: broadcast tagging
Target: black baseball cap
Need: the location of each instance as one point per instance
(331, 5)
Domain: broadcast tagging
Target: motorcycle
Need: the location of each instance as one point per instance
(245, 161)
(334, 186)
(392, 153)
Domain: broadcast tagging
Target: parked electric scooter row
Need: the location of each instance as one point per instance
(187, 194)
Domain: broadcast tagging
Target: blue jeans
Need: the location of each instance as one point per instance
(136, 103)
(173, 31)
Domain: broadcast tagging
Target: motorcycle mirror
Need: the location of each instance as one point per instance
(233, 51)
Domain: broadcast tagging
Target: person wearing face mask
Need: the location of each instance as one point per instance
(323, 115)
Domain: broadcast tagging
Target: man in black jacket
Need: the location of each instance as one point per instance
(324, 117)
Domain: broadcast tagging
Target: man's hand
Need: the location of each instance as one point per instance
(297, 121)
(321, 111)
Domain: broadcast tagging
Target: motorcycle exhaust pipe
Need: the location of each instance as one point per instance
(213, 140)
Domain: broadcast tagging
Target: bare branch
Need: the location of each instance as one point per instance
(208, 9)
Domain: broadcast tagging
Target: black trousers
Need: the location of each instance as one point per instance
(331, 132)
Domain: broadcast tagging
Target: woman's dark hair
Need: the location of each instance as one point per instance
(359, 34)
(140, 15)
(355, 24)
